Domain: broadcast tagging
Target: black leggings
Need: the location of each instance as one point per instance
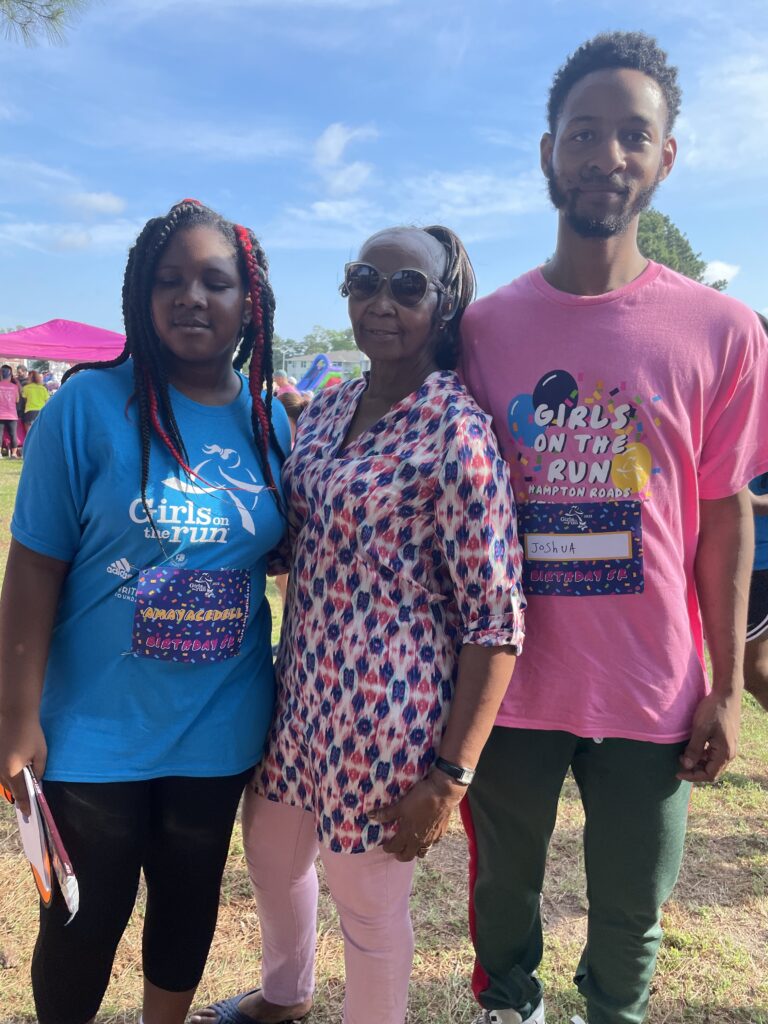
(177, 830)
(10, 426)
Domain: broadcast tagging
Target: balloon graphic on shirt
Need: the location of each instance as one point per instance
(520, 420)
(632, 467)
(555, 388)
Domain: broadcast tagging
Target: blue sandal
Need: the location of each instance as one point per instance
(229, 1012)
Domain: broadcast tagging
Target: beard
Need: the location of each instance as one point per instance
(609, 224)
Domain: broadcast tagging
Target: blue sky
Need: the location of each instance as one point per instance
(317, 122)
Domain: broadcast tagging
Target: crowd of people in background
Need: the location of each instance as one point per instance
(23, 393)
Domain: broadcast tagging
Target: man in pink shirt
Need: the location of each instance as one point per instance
(630, 405)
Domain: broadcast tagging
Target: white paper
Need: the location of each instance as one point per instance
(34, 842)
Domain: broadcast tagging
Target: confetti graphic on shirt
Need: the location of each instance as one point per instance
(579, 550)
(190, 615)
(586, 454)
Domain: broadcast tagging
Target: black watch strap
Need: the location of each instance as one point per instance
(461, 775)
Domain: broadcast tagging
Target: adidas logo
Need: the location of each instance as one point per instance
(122, 568)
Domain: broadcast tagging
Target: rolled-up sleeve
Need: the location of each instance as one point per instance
(476, 528)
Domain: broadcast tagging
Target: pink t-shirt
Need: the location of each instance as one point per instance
(9, 396)
(617, 413)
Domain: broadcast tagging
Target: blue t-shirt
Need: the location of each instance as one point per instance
(760, 486)
(160, 661)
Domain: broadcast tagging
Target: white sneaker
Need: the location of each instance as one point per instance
(577, 1020)
(510, 1016)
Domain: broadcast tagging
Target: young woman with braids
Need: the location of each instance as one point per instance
(403, 619)
(134, 634)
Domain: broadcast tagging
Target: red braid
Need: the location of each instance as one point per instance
(161, 432)
(255, 373)
(163, 435)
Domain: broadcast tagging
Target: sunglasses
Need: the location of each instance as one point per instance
(407, 286)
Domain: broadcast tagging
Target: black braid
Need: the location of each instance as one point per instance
(99, 365)
(268, 312)
(257, 344)
(150, 377)
(146, 440)
(268, 375)
(181, 214)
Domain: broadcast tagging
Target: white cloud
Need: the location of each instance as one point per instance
(64, 239)
(330, 146)
(341, 178)
(20, 178)
(347, 178)
(102, 203)
(8, 112)
(478, 204)
(222, 143)
(724, 128)
(236, 143)
(325, 224)
(336, 210)
(53, 237)
(716, 270)
(471, 195)
(500, 137)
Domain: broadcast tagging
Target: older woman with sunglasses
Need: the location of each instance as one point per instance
(403, 620)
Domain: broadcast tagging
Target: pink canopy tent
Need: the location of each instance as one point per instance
(64, 340)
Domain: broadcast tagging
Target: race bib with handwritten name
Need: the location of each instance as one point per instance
(190, 615)
(583, 549)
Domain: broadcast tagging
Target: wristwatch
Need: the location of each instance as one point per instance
(461, 775)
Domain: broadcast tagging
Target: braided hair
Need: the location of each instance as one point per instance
(142, 345)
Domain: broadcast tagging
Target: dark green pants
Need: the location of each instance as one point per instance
(636, 814)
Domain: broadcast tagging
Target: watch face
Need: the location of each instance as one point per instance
(461, 775)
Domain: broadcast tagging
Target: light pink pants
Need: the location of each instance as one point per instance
(371, 892)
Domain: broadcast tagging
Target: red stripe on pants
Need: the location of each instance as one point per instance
(480, 980)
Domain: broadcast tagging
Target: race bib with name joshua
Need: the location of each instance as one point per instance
(190, 615)
(582, 550)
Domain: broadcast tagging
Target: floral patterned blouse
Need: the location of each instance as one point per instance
(403, 546)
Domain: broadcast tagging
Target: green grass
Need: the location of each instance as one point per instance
(10, 470)
(713, 963)
(276, 604)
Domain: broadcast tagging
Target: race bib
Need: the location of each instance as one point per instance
(190, 615)
(582, 550)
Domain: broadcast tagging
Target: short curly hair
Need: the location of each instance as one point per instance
(634, 50)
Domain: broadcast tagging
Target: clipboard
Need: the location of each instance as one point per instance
(44, 849)
(34, 842)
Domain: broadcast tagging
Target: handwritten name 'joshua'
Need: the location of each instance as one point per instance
(563, 548)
